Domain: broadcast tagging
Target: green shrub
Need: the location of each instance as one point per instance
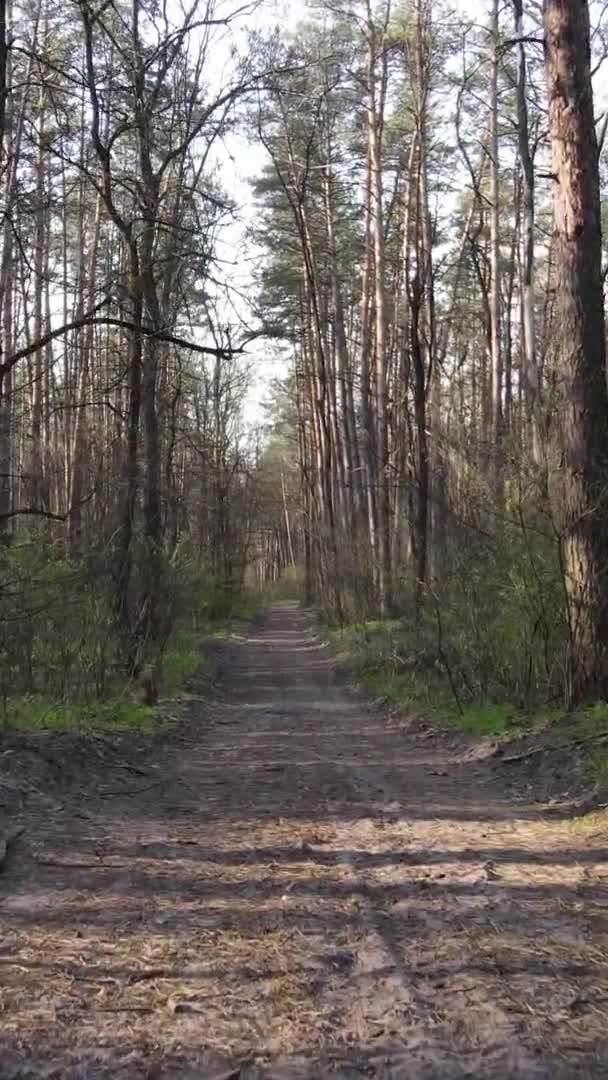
(57, 633)
(62, 661)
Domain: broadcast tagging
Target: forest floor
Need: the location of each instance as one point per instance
(290, 883)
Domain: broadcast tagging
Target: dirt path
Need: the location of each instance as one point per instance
(294, 887)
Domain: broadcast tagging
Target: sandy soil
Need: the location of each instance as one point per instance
(292, 884)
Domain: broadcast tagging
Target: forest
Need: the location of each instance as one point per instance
(127, 498)
(426, 284)
(303, 540)
(431, 215)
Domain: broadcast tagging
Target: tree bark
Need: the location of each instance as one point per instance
(375, 123)
(530, 372)
(496, 364)
(581, 345)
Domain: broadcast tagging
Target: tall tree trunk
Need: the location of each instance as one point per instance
(348, 440)
(376, 85)
(368, 429)
(435, 482)
(530, 372)
(39, 499)
(6, 292)
(5, 21)
(495, 342)
(422, 463)
(124, 538)
(401, 422)
(87, 291)
(581, 344)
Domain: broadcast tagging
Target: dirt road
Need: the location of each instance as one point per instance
(292, 885)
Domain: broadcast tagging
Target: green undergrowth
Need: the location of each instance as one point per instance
(35, 712)
(432, 697)
(214, 617)
(592, 727)
(379, 654)
(184, 658)
(221, 609)
(592, 721)
(289, 586)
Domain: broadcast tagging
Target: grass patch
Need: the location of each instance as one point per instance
(183, 658)
(216, 616)
(478, 718)
(217, 620)
(590, 723)
(290, 586)
(403, 689)
(220, 606)
(35, 712)
(599, 764)
(377, 653)
(593, 719)
(38, 712)
(592, 821)
(485, 718)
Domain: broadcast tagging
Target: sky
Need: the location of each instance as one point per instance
(239, 160)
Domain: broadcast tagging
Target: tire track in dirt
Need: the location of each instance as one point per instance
(303, 887)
